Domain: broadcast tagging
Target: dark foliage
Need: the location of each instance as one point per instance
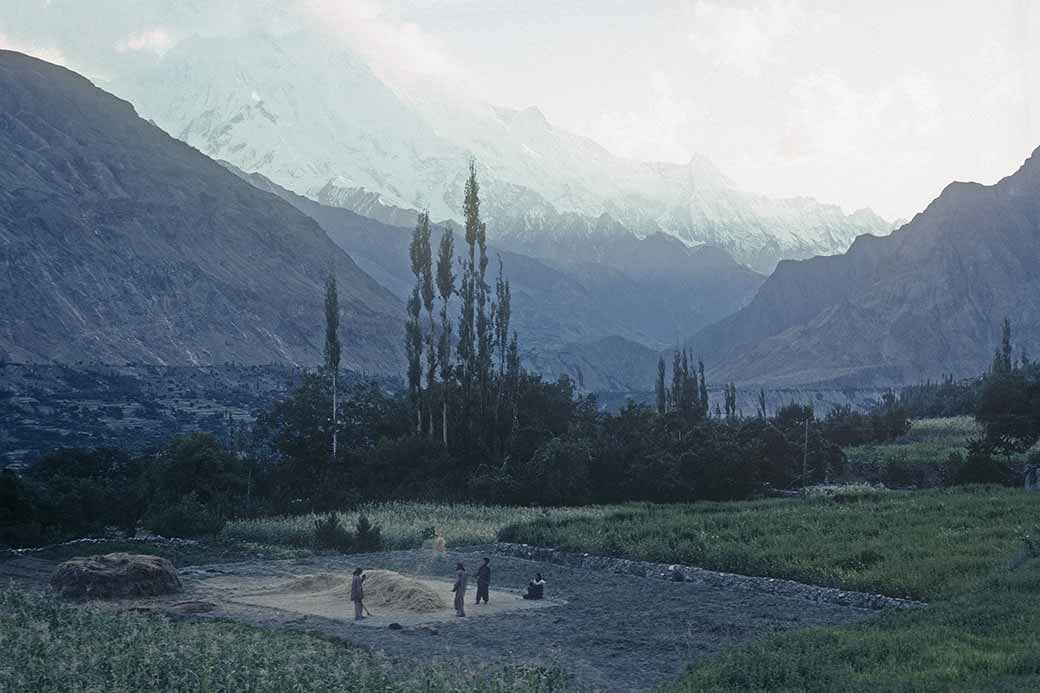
(329, 533)
(887, 421)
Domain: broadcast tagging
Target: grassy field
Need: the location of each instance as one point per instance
(986, 639)
(405, 525)
(49, 646)
(182, 554)
(922, 545)
(930, 441)
(973, 553)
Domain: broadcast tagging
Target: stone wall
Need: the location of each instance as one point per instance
(682, 573)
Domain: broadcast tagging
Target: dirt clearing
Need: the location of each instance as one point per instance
(614, 632)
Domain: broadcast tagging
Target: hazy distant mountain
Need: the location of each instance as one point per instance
(311, 116)
(122, 244)
(600, 322)
(924, 301)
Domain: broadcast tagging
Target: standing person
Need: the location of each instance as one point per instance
(460, 589)
(483, 581)
(357, 594)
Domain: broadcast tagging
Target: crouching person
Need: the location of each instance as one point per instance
(535, 588)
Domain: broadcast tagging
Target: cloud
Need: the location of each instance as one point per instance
(744, 38)
(156, 40)
(396, 48)
(668, 128)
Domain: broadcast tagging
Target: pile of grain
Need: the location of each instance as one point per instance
(384, 589)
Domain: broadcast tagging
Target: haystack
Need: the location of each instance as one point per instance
(384, 589)
(396, 592)
(115, 575)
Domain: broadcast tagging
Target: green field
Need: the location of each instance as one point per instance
(405, 525)
(973, 553)
(50, 646)
(923, 544)
(986, 639)
(930, 441)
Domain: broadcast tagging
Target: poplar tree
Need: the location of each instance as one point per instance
(662, 403)
(503, 315)
(332, 348)
(445, 288)
(413, 328)
(677, 381)
(485, 335)
(427, 295)
(704, 390)
(467, 334)
(1002, 358)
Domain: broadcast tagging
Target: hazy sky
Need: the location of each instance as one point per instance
(877, 103)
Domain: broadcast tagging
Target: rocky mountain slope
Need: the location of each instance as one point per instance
(121, 244)
(309, 114)
(927, 300)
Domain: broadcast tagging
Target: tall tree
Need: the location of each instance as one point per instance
(332, 349)
(677, 381)
(503, 315)
(467, 327)
(485, 335)
(662, 401)
(1002, 358)
(704, 390)
(426, 292)
(413, 328)
(691, 403)
(445, 288)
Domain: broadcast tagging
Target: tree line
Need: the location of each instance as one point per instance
(473, 425)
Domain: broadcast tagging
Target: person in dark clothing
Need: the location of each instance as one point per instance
(483, 581)
(535, 588)
(357, 594)
(460, 589)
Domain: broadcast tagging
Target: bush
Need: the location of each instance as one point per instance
(367, 537)
(20, 513)
(189, 517)
(329, 533)
(980, 467)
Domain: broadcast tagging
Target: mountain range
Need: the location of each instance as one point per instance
(309, 114)
(601, 322)
(925, 301)
(121, 244)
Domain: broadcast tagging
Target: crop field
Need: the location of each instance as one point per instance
(930, 441)
(972, 553)
(50, 646)
(922, 545)
(985, 639)
(406, 525)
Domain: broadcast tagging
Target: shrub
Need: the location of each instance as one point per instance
(188, 517)
(980, 467)
(329, 533)
(367, 537)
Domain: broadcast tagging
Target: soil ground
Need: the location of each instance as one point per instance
(613, 632)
